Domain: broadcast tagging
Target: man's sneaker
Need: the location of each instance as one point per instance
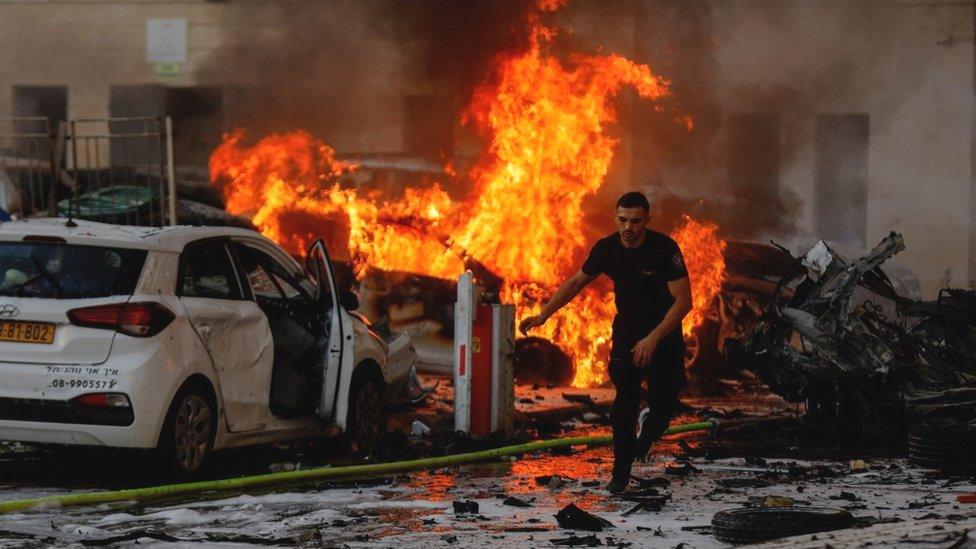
(617, 486)
(640, 420)
(644, 437)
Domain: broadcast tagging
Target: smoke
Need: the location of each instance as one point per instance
(347, 71)
(755, 80)
(730, 168)
(302, 65)
(455, 41)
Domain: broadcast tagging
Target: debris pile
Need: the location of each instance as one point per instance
(865, 360)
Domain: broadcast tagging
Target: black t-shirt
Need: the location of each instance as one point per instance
(640, 281)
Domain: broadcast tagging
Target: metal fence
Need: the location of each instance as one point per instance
(115, 170)
(29, 151)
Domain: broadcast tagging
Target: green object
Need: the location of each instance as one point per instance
(319, 473)
(167, 69)
(118, 201)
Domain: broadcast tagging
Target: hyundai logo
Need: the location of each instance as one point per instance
(8, 311)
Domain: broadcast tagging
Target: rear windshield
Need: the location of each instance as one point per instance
(65, 271)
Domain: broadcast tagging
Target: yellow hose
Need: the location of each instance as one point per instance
(319, 473)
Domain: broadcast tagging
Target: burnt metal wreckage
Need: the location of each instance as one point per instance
(868, 362)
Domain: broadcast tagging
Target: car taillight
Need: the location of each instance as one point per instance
(104, 400)
(134, 319)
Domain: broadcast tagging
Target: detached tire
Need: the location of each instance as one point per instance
(366, 420)
(539, 361)
(188, 432)
(942, 444)
(751, 525)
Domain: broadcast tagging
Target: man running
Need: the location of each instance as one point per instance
(652, 296)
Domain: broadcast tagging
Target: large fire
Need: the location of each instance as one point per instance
(544, 120)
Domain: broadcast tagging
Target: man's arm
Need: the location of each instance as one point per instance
(566, 292)
(681, 291)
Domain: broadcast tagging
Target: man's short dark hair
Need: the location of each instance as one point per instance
(634, 200)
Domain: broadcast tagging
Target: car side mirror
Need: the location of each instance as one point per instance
(348, 300)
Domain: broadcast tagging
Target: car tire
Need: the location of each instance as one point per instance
(188, 433)
(539, 361)
(366, 420)
(701, 347)
(749, 525)
(942, 444)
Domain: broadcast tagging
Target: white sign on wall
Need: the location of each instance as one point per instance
(166, 40)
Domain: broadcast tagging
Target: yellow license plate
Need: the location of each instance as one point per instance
(26, 332)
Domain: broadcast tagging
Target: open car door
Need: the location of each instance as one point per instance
(338, 364)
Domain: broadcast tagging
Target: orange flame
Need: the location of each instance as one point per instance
(545, 121)
(703, 252)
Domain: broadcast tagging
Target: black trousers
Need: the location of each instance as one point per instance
(665, 378)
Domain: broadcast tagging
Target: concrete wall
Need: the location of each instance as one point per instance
(910, 68)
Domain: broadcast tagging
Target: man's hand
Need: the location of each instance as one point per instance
(644, 350)
(531, 322)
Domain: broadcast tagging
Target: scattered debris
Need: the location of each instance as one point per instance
(419, 429)
(572, 517)
(646, 503)
(858, 465)
(553, 482)
(281, 467)
(743, 482)
(593, 417)
(682, 470)
(417, 393)
(462, 507)
(776, 502)
(513, 501)
(585, 541)
(648, 482)
(582, 398)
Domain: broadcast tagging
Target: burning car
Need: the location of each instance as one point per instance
(183, 339)
(752, 270)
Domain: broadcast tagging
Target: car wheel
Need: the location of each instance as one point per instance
(366, 421)
(750, 525)
(188, 434)
(540, 361)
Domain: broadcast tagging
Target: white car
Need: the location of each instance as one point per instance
(183, 339)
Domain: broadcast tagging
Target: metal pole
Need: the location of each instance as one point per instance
(56, 155)
(171, 171)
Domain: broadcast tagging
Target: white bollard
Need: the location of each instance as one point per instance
(484, 347)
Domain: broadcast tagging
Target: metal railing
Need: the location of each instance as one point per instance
(29, 149)
(116, 170)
